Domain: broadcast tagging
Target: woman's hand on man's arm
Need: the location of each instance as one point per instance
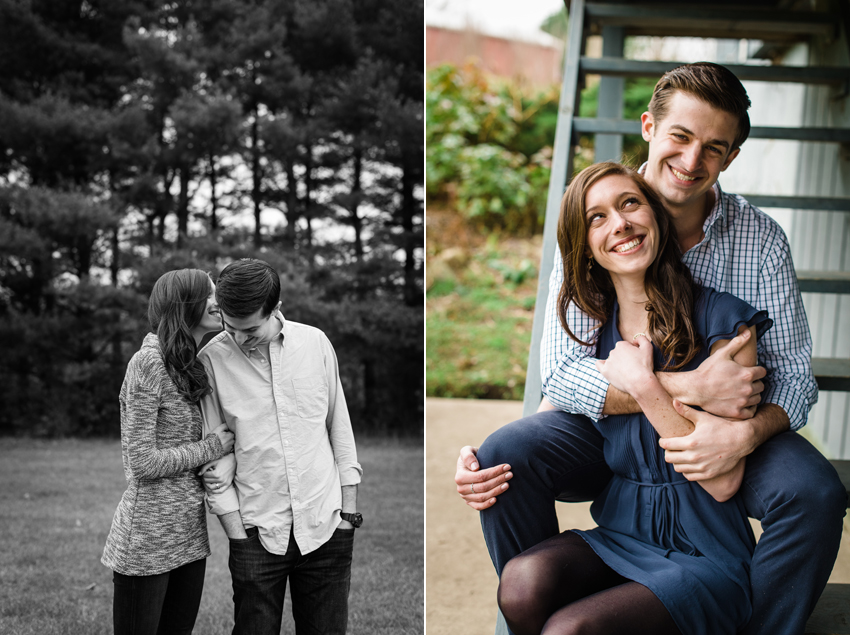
(218, 475)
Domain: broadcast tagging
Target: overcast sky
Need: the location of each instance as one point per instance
(506, 18)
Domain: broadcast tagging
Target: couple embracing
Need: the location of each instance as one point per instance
(665, 296)
(256, 423)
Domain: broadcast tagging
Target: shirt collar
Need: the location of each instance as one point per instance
(282, 320)
(718, 212)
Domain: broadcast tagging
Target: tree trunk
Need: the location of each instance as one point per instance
(356, 191)
(308, 198)
(213, 196)
(115, 264)
(289, 233)
(408, 210)
(183, 206)
(256, 176)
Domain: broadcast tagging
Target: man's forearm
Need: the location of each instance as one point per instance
(676, 385)
(768, 421)
(349, 499)
(618, 402)
(232, 525)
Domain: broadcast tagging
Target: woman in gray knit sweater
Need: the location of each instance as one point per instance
(158, 543)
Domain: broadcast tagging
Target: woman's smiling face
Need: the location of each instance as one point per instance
(622, 233)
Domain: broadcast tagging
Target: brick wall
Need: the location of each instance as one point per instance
(528, 62)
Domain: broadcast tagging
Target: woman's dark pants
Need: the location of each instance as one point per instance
(164, 604)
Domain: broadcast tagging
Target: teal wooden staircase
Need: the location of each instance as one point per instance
(770, 21)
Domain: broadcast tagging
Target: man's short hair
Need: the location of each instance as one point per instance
(246, 285)
(712, 83)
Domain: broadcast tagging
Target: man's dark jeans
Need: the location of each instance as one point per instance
(164, 604)
(319, 585)
(788, 485)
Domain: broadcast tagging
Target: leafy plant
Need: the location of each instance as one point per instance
(488, 147)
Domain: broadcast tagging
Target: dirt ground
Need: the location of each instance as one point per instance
(460, 582)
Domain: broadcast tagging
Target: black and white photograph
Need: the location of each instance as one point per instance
(212, 317)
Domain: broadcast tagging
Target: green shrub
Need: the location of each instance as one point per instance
(488, 147)
(489, 144)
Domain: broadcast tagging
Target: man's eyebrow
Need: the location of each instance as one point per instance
(713, 142)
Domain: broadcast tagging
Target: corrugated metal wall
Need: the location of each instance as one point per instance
(821, 240)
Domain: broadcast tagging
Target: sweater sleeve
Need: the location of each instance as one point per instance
(141, 414)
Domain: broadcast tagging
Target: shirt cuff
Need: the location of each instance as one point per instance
(350, 474)
(786, 398)
(224, 502)
(582, 391)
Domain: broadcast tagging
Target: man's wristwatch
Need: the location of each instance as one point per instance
(355, 519)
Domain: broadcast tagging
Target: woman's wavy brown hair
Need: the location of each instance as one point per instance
(177, 305)
(669, 285)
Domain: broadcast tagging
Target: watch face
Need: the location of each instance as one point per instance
(354, 519)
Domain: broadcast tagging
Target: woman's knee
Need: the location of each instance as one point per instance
(522, 594)
(565, 623)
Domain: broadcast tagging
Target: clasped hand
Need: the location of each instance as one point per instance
(724, 387)
(218, 474)
(629, 365)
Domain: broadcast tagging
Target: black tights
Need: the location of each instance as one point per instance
(561, 587)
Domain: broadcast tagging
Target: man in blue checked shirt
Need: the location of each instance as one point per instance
(696, 123)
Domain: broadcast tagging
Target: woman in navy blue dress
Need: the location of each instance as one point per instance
(668, 555)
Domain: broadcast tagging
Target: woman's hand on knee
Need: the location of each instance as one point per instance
(479, 488)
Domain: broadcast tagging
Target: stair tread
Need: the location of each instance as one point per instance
(708, 21)
(824, 203)
(639, 68)
(591, 125)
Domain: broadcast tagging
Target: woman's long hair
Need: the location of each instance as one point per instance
(177, 305)
(669, 285)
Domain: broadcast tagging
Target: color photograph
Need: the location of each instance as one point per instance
(636, 333)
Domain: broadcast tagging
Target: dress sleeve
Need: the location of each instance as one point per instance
(725, 314)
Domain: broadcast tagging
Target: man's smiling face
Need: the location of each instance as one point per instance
(253, 329)
(688, 149)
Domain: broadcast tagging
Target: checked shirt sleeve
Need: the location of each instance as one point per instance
(568, 369)
(786, 349)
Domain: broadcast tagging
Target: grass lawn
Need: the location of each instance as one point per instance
(58, 498)
(479, 318)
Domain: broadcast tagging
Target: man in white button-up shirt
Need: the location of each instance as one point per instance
(291, 511)
(695, 124)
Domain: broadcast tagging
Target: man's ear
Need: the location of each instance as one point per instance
(730, 158)
(647, 124)
(277, 307)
